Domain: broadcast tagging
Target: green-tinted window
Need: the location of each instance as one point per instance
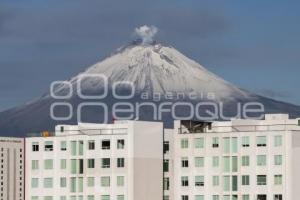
(34, 198)
(63, 198)
(226, 197)
(90, 181)
(120, 197)
(215, 161)
(226, 145)
(73, 166)
(245, 180)
(226, 183)
(34, 183)
(80, 184)
(234, 165)
(48, 182)
(234, 145)
(90, 197)
(215, 142)
(199, 162)
(34, 164)
(261, 179)
(91, 163)
(73, 148)
(278, 160)
(48, 164)
(278, 179)
(226, 164)
(63, 182)
(105, 181)
(199, 197)
(246, 197)
(245, 161)
(73, 184)
(63, 164)
(48, 198)
(199, 143)
(215, 180)
(184, 142)
(277, 140)
(105, 197)
(234, 183)
(261, 160)
(199, 180)
(216, 197)
(80, 150)
(245, 141)
(261, 141)
(120, 180)
(63, 145)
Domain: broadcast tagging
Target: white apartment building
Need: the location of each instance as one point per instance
(120, 161)
(233, 160)
(11, 168)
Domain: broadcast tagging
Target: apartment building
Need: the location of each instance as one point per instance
(233, 160)
(11, 168)
(120, 161)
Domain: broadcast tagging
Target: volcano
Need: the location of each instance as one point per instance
(142, 74)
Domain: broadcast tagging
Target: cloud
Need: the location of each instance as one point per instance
(146, 33)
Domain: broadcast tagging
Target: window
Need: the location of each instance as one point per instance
(166, 166)
(277, 141)
(261, 180)
(199, 143)
(80, 151)
(166, 147)
(184, 181)
(226, 183)
(105, 197)
(35, 146)
(245, 141)
(261, 160)
(278, 160)
(234, 166)
(120, 197)
(34, 198)
(226, 163)
(105, 162)
(278, 179)
(73, 148)
(184, 143)
(91, 144)
(48, 182)
(105, 181)
(261, 197)
(120, 162)
(234, 145)
(73, 184)
(278, 197)
(246, 197)
(106, 144)
(215, 142)
(80, 184)
(63, 164)
(199, 162)
(215, 180)
(34, 183)
(120, 181)
(34, 164)
(48, 164)
(90, 197)
(120, 144)
(215, 161)
(226, 145)
(245, 180)
(166, 185)
(234, 183)
(199, 180)
(73, 166)
(48, 198)
(91, 163)
(184, 197)
(48, 146)
(90, 181)
(63, 182)
(245, 161)
(63, 145)
(261, 141)
(215, 197)
(199, 197)
(184, 162)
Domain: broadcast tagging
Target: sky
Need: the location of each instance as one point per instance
(253, 44)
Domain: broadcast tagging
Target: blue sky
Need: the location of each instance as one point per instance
(253, 44)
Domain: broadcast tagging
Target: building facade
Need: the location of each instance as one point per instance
(121, 161)
(238, 159)
(12, 168)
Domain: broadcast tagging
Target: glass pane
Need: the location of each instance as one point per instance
(226, 163)
(234, 145)
(80, 148)
(226, 147)
(226, 183)
(73, 148)
(234, 164)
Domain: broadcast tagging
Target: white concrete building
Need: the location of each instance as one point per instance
(238, 159)
(11, 168)
(120, 161)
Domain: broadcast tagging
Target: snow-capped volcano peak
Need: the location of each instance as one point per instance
(156, 68)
